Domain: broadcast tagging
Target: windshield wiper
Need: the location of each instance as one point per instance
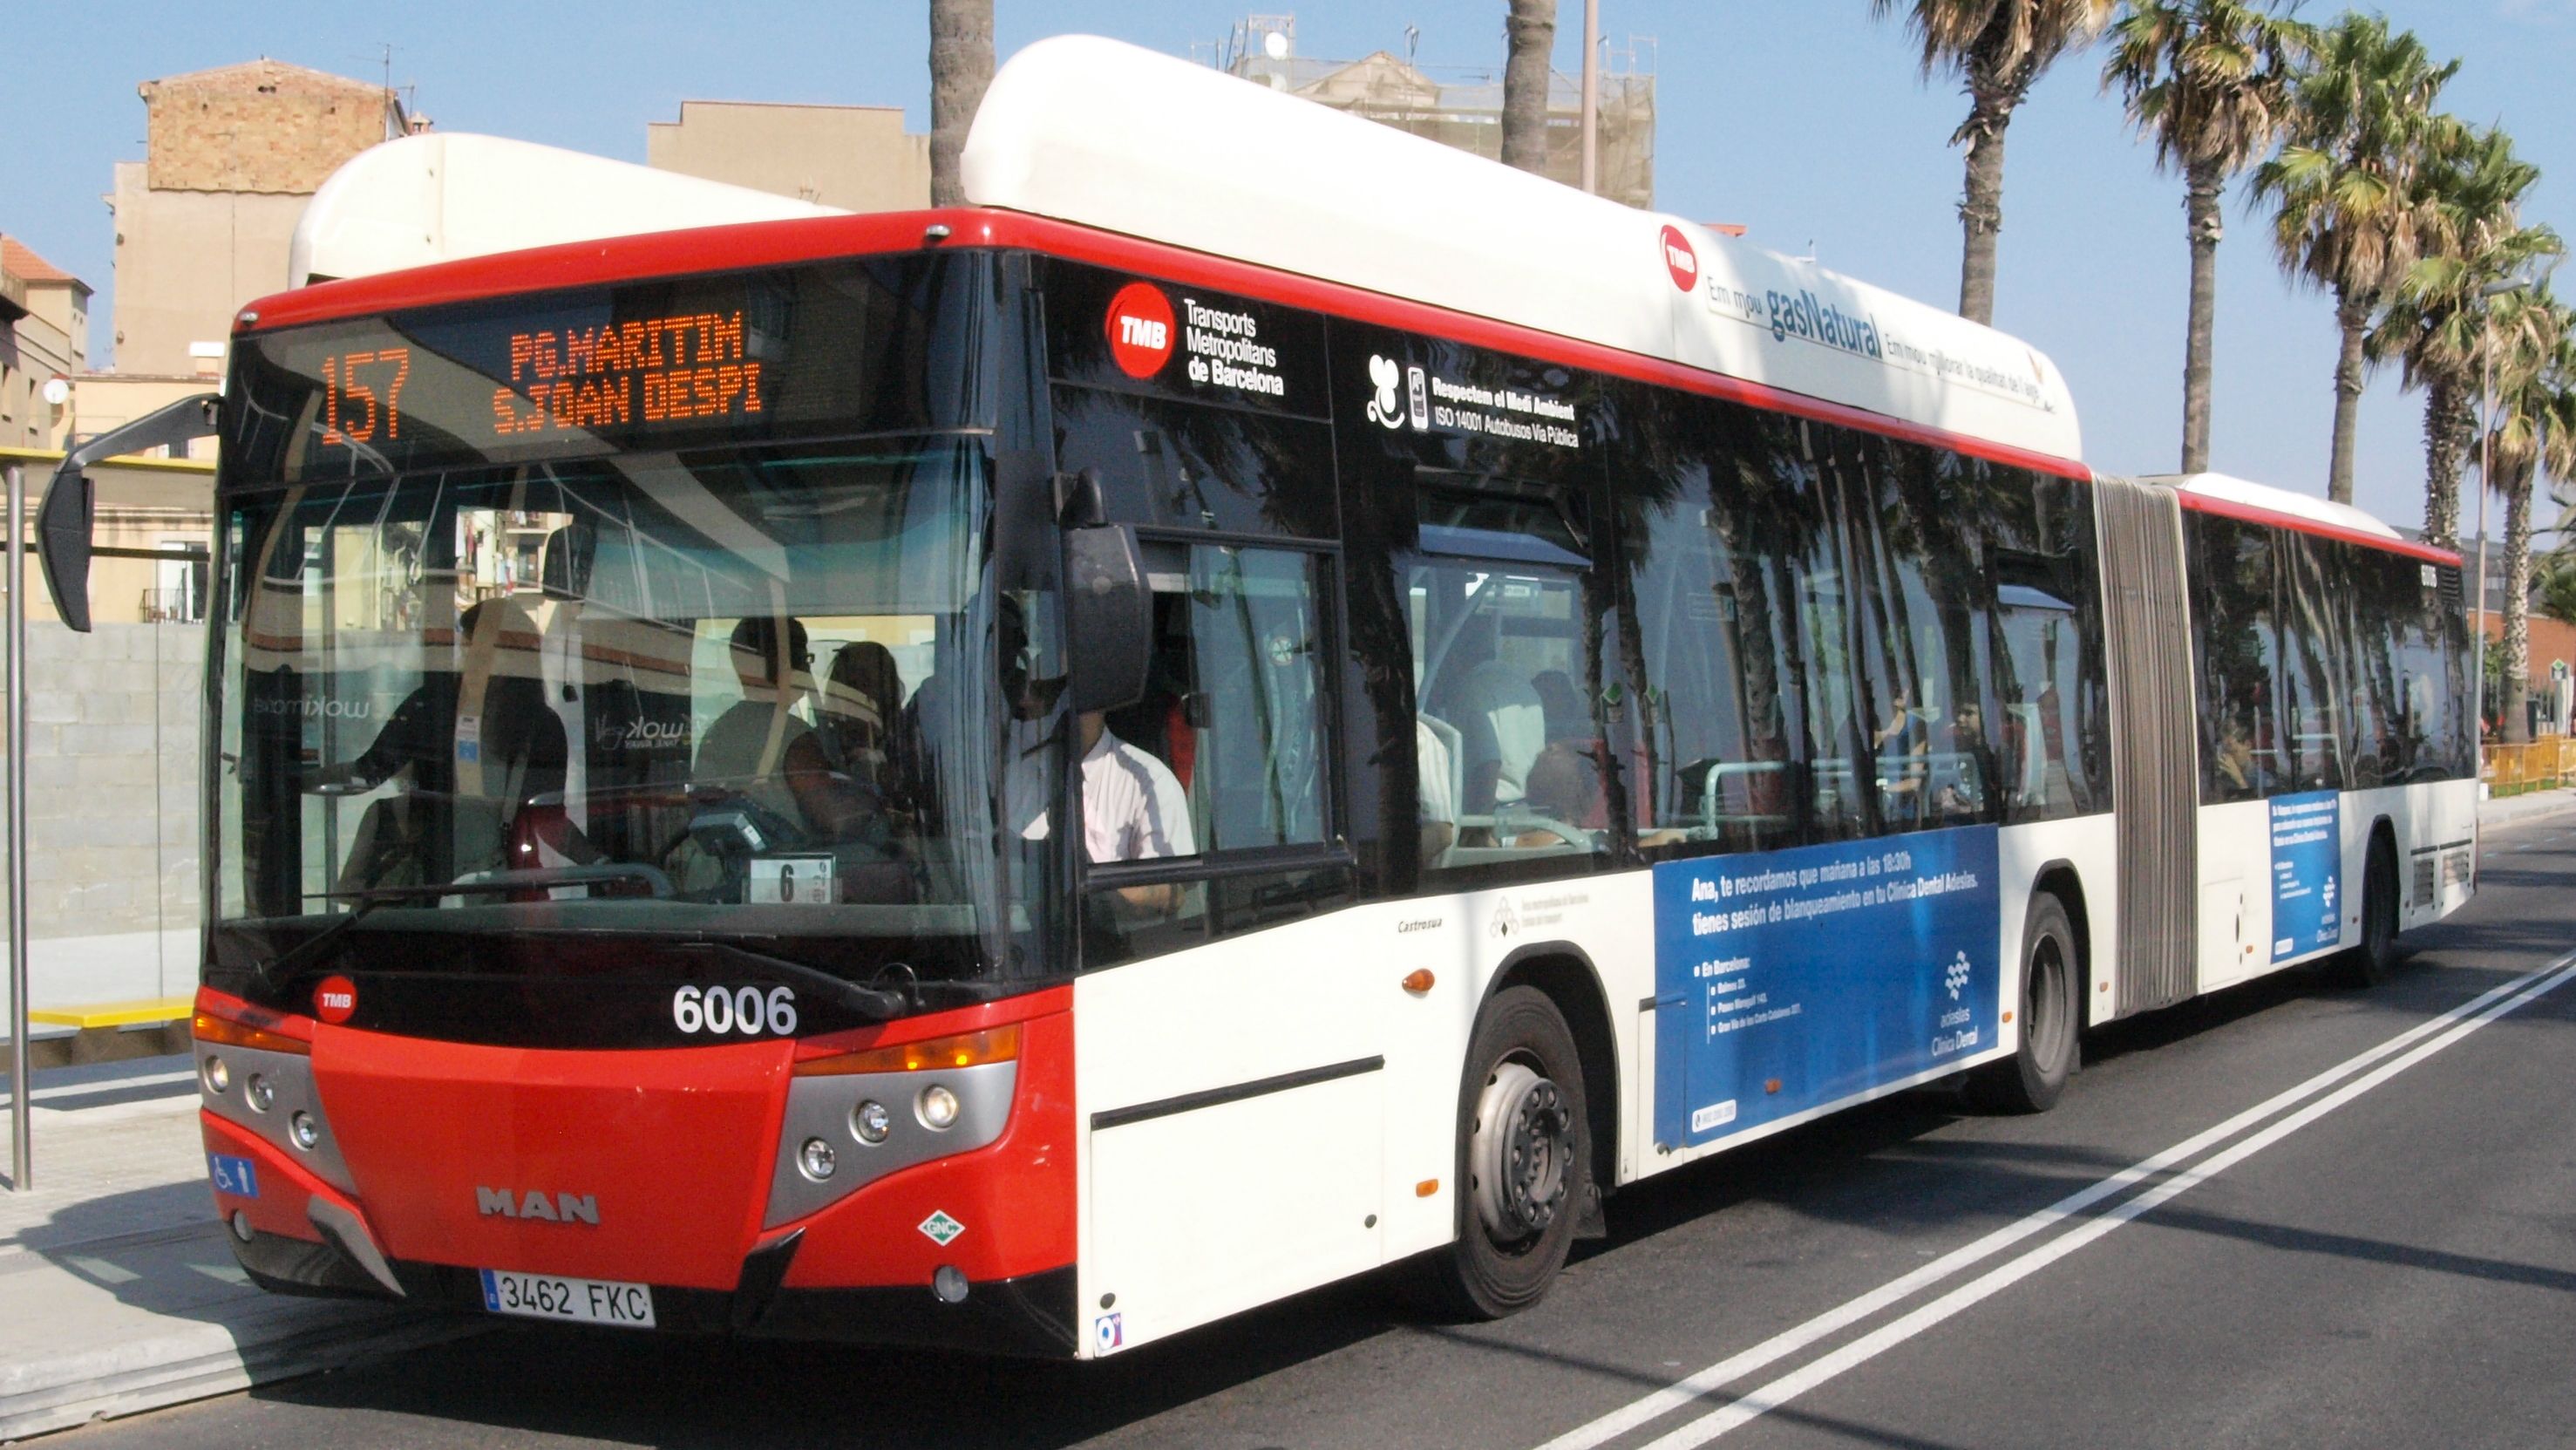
(272, 975)
(874, 1003)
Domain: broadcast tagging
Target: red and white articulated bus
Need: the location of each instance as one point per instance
(1266, 701)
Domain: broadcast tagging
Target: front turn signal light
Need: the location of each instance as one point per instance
(210, 1028)
(967, 1049)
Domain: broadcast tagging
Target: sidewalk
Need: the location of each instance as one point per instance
(2506, 809)
(120, 1293)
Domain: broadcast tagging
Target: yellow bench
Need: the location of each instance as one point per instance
(114, 1014)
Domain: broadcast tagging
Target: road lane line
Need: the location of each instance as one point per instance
(1756, 1403)
(1833, 1321)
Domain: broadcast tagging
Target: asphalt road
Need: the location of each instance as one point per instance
(2355, 1226)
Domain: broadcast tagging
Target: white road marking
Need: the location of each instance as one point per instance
(1771, 1396)
(101, 1270)
(1789, 1341)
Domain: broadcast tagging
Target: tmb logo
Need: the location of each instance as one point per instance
(1140, 329)
(335, 999)
(1681, 259)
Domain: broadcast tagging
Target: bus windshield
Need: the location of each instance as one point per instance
(754, 695)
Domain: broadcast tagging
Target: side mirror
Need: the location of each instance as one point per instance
(1108, 617)
(64, 519)
(63, 528)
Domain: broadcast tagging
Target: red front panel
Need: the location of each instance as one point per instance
(1015, 1195)
(673, 1145)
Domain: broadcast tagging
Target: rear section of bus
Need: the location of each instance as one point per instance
(638, 708)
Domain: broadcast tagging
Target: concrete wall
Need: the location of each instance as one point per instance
(185, 260)
(858, 158)
(112, 791)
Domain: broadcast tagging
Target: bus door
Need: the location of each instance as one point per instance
(1231, 1097)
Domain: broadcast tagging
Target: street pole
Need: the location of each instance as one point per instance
(22, 1157)
(1592, 97)
(2486, 459)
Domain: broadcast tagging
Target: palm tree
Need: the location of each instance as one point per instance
(1529, 37)
(2345, 188)
(961, 65)
(1999, 48)
(2210, 81)
(2529, 417)
(2437, 319)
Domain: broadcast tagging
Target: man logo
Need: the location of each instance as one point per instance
(562, 1208)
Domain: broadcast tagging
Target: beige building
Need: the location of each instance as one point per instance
(203, 221)
(1463, 108)
(46, 311)
(857, 158)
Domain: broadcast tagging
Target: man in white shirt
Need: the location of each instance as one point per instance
(1133, 807)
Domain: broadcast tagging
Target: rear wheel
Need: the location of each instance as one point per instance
(1523, 1159)
(2051, 1001)
(2374, 960)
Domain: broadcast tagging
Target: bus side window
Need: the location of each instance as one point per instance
(1231, 724)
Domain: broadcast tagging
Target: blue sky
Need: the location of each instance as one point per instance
(1801, 118)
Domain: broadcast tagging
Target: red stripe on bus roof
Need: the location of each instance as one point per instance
(778, 243)
(2256, 514)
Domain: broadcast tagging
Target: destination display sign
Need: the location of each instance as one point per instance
(791, 352)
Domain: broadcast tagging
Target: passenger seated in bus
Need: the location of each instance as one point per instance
(1436, 805)
(861, 698)
(1562, 706)
(1961, 768)
(479, 733)
(2234, 760)
(762, 749)
(1900, 750)
(1502, 727)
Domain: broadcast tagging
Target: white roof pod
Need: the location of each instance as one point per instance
(444, 195)
(1096, 132)
(2280, 501)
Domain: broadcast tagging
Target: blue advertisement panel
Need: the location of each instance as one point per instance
(2307, 867)
(1792, 979)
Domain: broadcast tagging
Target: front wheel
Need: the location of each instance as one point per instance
(1523, 1159)
(2051, 1001)
(2374, 960)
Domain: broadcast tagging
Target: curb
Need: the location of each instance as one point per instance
(292, 1337)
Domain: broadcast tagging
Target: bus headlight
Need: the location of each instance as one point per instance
(218, 1078)
(938, 1108)
(871, 1122)
(304, 1130)
(816, 1159)
(259, 1094)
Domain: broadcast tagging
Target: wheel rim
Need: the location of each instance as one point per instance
(1520, 1153)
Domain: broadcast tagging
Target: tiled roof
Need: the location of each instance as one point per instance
(23, 263)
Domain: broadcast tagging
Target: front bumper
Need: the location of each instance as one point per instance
(1031, 1315)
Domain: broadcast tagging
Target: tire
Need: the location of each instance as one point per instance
(2375, 960)
(2051, 1003)
(1524, 1158)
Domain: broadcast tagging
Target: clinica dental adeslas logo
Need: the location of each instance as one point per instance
(1799, 314)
